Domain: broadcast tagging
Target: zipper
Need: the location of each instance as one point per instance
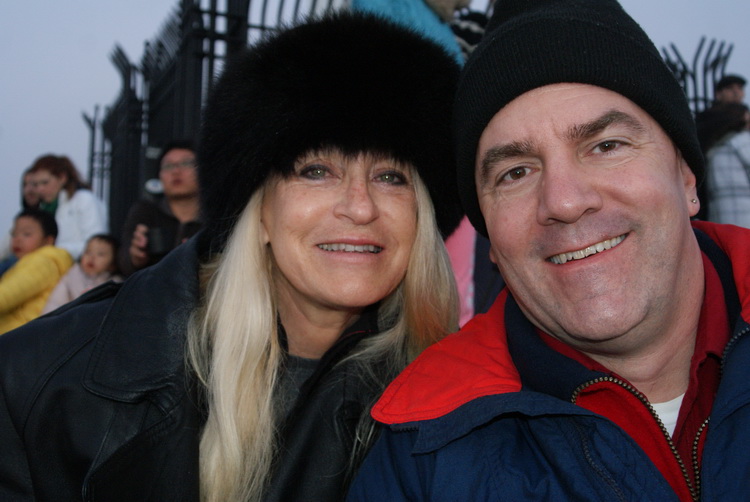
(704, 425)
(696, 464)
(642, 398)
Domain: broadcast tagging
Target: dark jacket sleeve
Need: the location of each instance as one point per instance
(15, 480)
(135, 216)
(144, 212)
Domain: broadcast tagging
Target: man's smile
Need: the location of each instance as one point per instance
(580, 254)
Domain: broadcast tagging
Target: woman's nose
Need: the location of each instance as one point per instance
(357, 203)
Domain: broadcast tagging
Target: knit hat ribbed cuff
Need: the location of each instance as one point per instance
(533, 44)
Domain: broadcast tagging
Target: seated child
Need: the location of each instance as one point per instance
(97, 265)
(25, 287)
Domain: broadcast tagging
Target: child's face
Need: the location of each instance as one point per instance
(27, 236)
(98, 257)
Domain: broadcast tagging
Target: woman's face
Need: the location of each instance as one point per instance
(48, 185)
(341, 230)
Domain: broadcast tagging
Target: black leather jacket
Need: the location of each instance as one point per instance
(96, 405)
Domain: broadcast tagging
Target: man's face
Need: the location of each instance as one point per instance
(178, 174)
(734, 93)
(587, 204)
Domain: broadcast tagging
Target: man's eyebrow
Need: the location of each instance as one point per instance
(501, 152)
(577, 132)
(594, 127)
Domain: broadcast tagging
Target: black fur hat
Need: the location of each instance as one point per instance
(350, 81)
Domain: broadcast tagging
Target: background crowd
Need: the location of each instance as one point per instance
(159, 222)
(61, 246)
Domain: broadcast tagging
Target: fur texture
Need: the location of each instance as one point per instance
(351, 81)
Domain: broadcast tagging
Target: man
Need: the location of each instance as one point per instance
(615, 365)
(153, 228)
(730, 89)
(711, 124)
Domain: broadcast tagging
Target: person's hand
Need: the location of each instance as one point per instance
(138, 254)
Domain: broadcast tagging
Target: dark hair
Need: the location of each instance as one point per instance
(114, 242)
(177, 144)
(59, 166)
(729, 80)
(45, 219)
(725, 118)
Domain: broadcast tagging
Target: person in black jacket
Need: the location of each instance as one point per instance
(156, 225)
(244, 364)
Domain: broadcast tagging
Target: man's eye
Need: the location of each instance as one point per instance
(607, 146)
(515, 174)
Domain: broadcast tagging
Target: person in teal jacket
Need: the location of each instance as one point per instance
(616, 363)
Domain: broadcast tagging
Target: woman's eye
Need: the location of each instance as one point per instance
(314, 172)
(392, 178)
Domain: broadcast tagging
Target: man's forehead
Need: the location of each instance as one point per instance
(567, 110)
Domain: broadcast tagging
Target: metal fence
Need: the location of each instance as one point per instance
(162, 96)
(699, 76)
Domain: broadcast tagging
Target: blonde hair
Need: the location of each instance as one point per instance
(234, 347)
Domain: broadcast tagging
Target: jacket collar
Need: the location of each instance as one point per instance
(727, 247)
(483, 360)
(140, 346)
(463, 366)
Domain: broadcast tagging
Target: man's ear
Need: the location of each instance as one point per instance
(690, 186)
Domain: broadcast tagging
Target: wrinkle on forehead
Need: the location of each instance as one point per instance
(591, 128)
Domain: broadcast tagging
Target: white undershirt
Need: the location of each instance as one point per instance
(668, 412)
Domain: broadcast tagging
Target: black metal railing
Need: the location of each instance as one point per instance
(699, 76)
(162, 97)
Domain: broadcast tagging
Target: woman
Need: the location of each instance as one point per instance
(728, 166)
(320, 273)
(79, 213)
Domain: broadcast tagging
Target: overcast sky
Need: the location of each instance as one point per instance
(54, 66)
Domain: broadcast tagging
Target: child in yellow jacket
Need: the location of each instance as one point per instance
(24, 288)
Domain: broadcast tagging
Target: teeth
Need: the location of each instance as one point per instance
(588, 251)
(350, 248)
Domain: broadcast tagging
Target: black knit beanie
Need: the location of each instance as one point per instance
(350, 81)
(533, 43)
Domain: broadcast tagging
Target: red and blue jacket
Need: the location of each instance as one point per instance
(494, 413)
